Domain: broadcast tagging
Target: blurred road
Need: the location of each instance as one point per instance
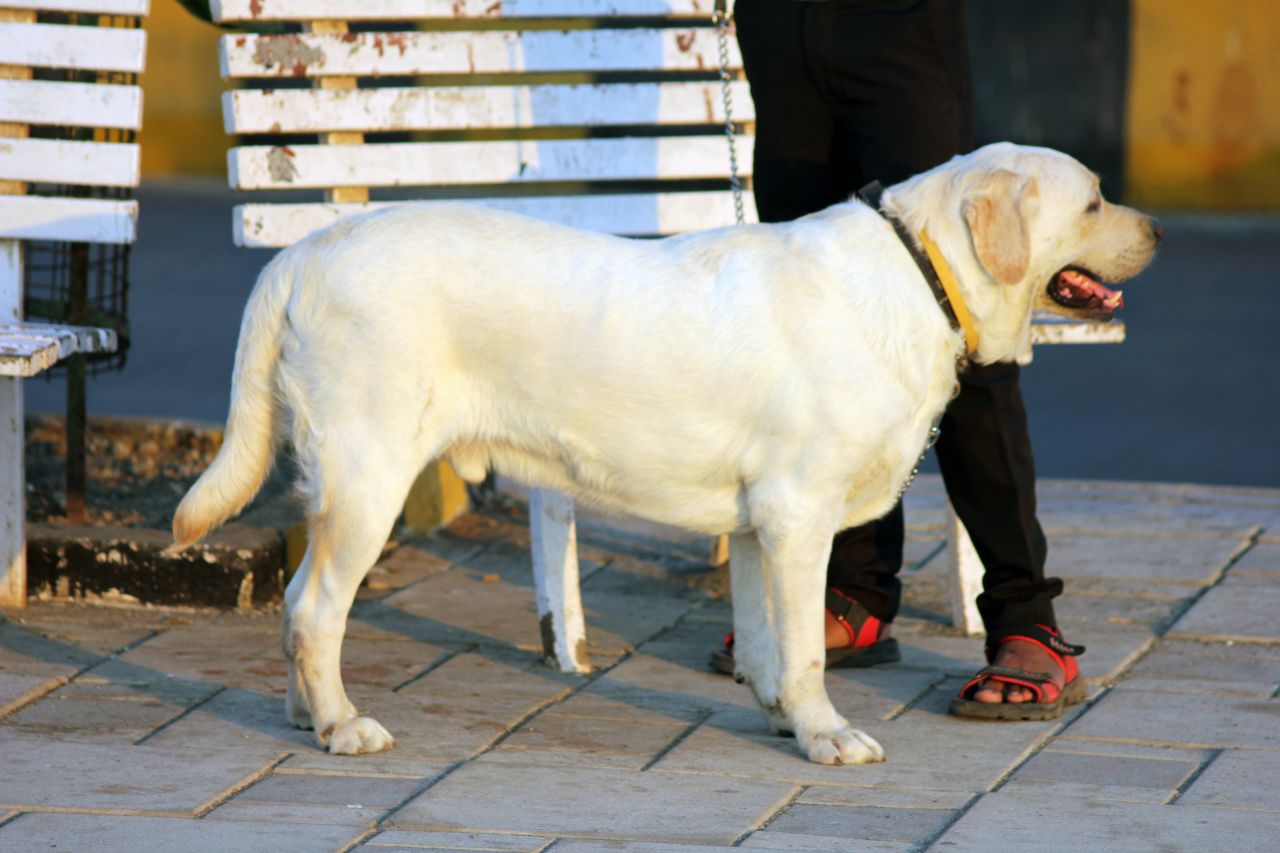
(1193, 395)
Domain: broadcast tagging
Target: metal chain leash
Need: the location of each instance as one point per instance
(721, 17)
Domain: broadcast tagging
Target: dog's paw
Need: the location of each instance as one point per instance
(842, 746)
(357, 736)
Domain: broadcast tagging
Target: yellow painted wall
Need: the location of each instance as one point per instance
(1204, 104)
(181, 96)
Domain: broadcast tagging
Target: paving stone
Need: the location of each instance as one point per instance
(861, 823)
(238, 719)
(335, 814)
(114, 696)
(593, 706)
(245, 655)
(426, 723)
(926, 749)
(882, 797)
(1192, 559)
(405, 566)
(1051, 768)
(330, 790)
(486, 841)
(567, 733)
(486, 671)
(676, 690)
(42, 772)
(595, 803)
(115, 834)
(24, 650)
(384, 764)
(89, 630)
(1260, 561)
(1241, 609)
(1188, 665)
(130, 717)
(460, 606)
(1182, 719)
(768, 840)
(19, 690)
(1030, 820)
(250, 657)
(1085, 746)
(636, 576)
(1082, 611)
(1239, 779)
(564, 758)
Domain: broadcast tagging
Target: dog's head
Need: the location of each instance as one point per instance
(1023, 229)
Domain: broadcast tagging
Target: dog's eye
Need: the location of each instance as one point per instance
(1094, 206)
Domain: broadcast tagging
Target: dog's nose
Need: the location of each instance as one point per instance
(1157, 229)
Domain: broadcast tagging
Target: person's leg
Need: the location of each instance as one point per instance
(898, 79)
(792, 176)
(986, 460)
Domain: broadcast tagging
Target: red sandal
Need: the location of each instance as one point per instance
(864, 648)
(1050, 702)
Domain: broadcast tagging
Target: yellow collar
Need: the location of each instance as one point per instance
(948, 279)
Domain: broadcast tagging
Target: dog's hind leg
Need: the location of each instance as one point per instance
(785, 647)
(358, 502)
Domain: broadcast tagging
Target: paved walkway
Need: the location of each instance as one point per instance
(151, 729)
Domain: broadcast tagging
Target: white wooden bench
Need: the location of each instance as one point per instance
(105, 45)
(603, 115)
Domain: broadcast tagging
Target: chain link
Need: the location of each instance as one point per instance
(720, 17)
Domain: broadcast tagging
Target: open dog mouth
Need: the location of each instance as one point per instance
(1080, 290)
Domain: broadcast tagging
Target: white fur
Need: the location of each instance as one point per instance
(775, 382)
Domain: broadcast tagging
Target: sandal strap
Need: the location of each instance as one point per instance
(863, 628)
(1044, 636)
(1040, 683)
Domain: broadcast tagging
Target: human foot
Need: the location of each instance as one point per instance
(854, 638)
(1029, 657)
(1033, 676)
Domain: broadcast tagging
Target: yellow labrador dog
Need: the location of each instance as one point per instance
(774, 382)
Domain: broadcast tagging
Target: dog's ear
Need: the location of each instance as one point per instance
(997, 213)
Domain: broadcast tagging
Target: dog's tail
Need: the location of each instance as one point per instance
(249, 442)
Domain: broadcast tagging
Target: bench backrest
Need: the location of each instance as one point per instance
(606, 116)
(101, 39)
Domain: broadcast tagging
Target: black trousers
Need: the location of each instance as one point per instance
(850, 91)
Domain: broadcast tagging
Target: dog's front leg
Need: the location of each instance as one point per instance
(784, 658)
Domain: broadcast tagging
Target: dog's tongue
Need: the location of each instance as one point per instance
(1079, 289)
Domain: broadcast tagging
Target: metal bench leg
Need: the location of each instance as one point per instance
(13, 515)
(555, 578)
(966, 577)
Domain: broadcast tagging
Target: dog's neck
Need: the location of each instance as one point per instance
(933, 266)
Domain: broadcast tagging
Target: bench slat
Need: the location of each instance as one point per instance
(27, 349)
(81, 48)
(468, 107)
(461, 163)
(395, 54)
(1049, 328)
(403, 10)
(278, 225)
(138, 8)
(71, 104)
(95, 164)
(89, 220)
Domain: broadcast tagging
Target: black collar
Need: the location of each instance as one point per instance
(870, 195)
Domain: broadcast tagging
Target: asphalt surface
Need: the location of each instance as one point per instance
(1190, 397)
